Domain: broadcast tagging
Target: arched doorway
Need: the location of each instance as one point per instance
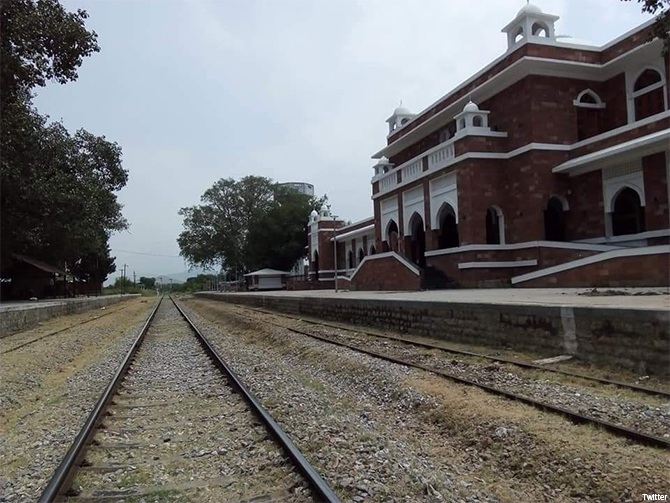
(350, 259)
(392, 236)
(448, 230)
(554, 220)
(315, 263)
(361, 255)
(372, 250)
(628, 213)
(493, 226)
(417, 240)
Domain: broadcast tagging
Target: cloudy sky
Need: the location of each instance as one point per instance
(296, 90)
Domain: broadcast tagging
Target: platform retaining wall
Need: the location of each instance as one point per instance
(26, 316)
(638, 340)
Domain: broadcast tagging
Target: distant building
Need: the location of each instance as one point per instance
(548, 167)
(299, 187)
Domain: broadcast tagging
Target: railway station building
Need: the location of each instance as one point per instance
(548, 167)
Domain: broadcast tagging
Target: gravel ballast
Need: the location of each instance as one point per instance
(381, 432)
(48, 387)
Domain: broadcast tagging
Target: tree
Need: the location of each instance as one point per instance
(57, 198)
(215, 232)
(40, 42)
(278, 237)
(246, 225)
(121, 282)
(148, 283)
(662, 24)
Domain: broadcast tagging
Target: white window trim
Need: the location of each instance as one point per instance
(631, 78)
(598, 104)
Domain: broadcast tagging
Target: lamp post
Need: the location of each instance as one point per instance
(335, 249)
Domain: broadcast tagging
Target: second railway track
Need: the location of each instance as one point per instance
(176, 423)
(546, 403)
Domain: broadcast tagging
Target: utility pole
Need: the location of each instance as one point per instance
(123, 283)
(134, 282)
(335, 249)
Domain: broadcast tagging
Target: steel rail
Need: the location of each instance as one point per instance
(59, 484)
(575, 417)
(315, 480)
(60, 330)
(511, 361)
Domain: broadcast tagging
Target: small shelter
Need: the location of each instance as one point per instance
(266, 279)
(28, 277)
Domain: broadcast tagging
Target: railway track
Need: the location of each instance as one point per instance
(177, 424)
(576, 417)
(442, 347)
(61, 330)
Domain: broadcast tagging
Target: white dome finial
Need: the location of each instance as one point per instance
(470, 107)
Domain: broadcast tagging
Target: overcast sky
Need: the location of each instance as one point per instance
(296, 90)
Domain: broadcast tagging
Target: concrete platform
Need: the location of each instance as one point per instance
(629, 330)
(625, 298)
(17, 316)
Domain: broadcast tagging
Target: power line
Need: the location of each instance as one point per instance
(143, 253)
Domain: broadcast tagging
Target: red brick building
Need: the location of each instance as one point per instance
(549, 167)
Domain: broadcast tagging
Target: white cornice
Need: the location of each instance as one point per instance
(527, 65)
(661, 233)
(638, 147)
(497, 265)
(556, 147)
(522, 246)
(357, 232)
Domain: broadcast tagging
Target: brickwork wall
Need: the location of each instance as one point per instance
(647, 270)
(656, 192)
(546, 257)
(386, 273)
(586, 218)
(636, 340)
(535, 50)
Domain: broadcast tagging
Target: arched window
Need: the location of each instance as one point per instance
(392, 236)
(461, 123)
(316, 265)
(361, 255)
(588, 104)
(448, 230)
(404, 121)
(350, 260)
(493, 227)
(518, 35)
(648, 94)
(477, 121)
(554, 220)
(540, 30)
(628, 213)
(417, 240)
(372, 250)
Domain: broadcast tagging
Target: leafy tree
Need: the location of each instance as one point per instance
(216, 231)
(278, 237)
(148, 283)
(57, 198)
(246, 225)
(41, 41)
(122, 282)
(662, 23)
